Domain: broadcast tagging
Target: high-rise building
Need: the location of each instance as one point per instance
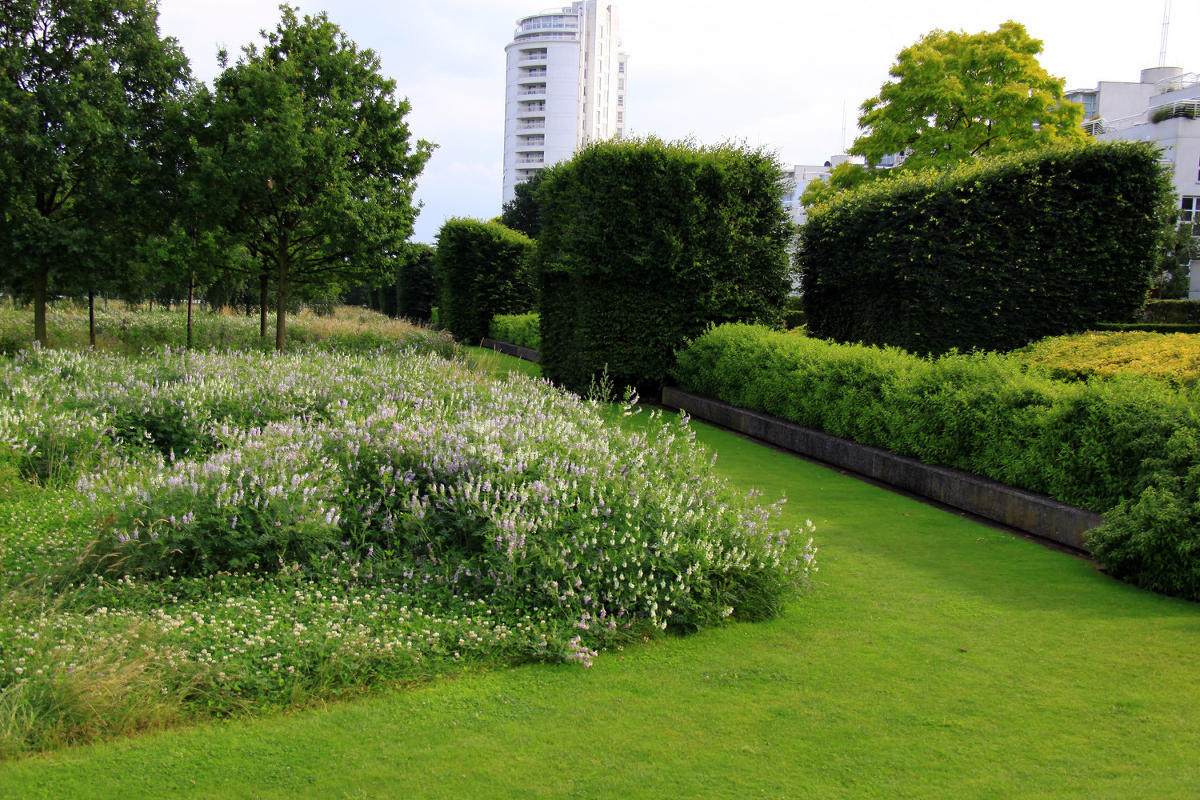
(565, 87)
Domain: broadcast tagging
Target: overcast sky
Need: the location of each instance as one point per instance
(783, 74)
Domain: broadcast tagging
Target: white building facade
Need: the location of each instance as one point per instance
(564, 87)
(1162, 107)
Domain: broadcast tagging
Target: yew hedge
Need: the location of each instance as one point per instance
(989, 256)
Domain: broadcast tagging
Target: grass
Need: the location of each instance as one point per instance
(935, 658)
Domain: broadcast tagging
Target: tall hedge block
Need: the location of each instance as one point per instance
(484, 269)
(644, 244)
(990, 256)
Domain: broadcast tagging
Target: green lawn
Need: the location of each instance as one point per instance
(934, 657)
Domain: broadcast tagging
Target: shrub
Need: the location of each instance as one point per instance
(644, 244)
(1170, 357)
(484, 270)
(1124, 445)
(1173, 312)
(519, 329)
(991, 255)
(417, 284)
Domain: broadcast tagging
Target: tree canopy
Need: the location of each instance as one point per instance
(84, 88)
(312, 157)
(958, 96)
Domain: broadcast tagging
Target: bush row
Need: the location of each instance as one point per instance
(1173, 312)
(1128, 446)
(645, 243)
(1173, 357)
(484, 269)
(991, 255)
(522, 330)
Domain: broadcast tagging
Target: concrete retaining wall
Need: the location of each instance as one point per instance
(1026, 511)
(512, 350)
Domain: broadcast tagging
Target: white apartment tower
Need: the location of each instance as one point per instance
(564, 87)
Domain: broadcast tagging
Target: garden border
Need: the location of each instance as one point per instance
(1026, 511)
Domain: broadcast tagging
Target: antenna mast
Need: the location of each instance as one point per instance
(1162, 52)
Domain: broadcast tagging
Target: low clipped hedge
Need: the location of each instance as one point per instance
(1125, 446)
(1172, 357)
(1173, 312)
(519, 329)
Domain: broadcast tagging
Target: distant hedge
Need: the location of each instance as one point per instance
(417, 288)
(1173, 312)
(1127, 446)
(991, 255)
(644, 244)
(484, 269)
(522, 330)
(1147, 327)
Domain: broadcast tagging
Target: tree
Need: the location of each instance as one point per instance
(313, 158)
(83, 85)
(958, 96)
(846, 175)
(521, 213)
(1180, 247)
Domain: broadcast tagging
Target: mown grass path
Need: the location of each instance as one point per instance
(934, 657)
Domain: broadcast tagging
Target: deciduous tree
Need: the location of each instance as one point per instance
(957, 96)
(313, 158)
(83, 87)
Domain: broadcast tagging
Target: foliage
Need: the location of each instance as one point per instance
(484, 269)
(1173, 358)
(958, 96)
(523, 330)
(1181, 246)
(86, 92)
(1182, 312)
(1117, 445)
(328, 520)
(311, 156)
(645, 243)
(522, 213)
(846, 175)
(417, 285)
(922, 261)
(130, 332)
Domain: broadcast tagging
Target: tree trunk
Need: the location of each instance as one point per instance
(281, 290)
(40, 278)
(191, 295)
(263, 280)
(92, 318)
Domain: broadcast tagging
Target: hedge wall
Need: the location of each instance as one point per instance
(989, 256)
(644, 244)
(1127, 446)
(1173, 312)
(484, 269)
(416, 287)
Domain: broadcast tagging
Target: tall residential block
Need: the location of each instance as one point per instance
(564, 88)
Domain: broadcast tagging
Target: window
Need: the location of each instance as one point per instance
(1189, 207)
(620, 99)
(621, 83)
(621, 68)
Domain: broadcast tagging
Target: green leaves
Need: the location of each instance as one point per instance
(991, 255)
(311, 155)
(958, 96)
(644, 244)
